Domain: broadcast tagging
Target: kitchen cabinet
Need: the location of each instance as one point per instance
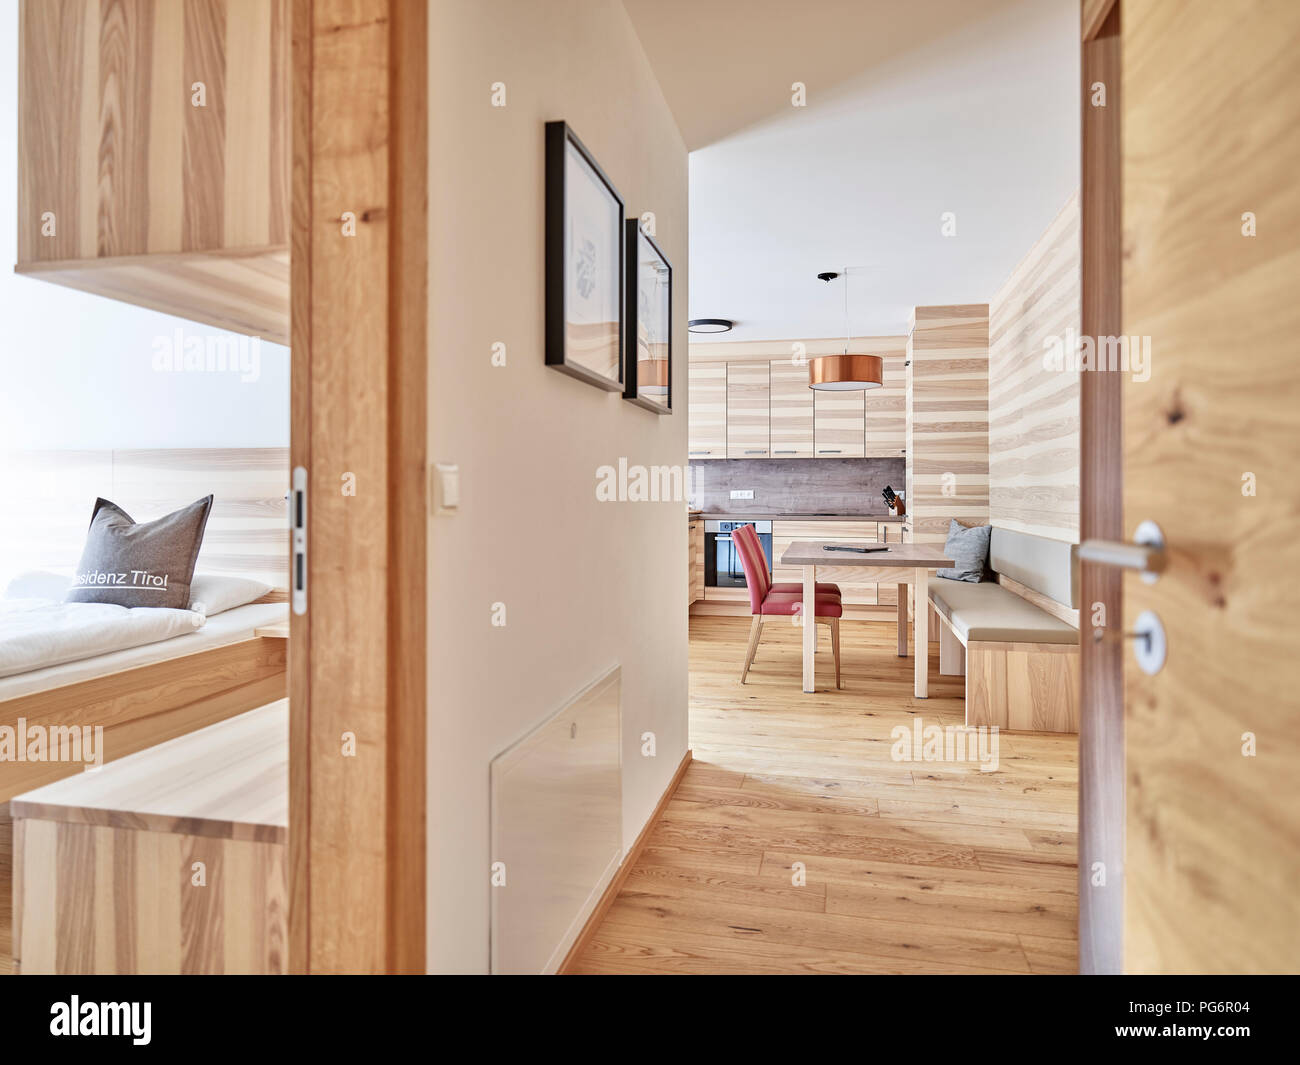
(154, 156)
(749, 410)
(707, 410)
(791, 410)
(856, 592)
(886, 412)
(695, 561)
(839, 424)
(756, 409)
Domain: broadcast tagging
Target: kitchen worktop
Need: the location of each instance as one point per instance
(738, 516)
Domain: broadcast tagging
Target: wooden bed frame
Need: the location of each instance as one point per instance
(247, 535)
(146, 705)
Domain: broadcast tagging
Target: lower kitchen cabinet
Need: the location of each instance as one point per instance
(695, 564)
(855, 592)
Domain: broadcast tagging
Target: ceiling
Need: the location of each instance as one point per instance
(913, 110)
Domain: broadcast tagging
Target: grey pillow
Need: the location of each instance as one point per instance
(130, 563)
(969, 549)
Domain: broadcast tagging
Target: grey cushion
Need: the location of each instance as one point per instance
(131, 563)
(969, 549)
(1047, 566)
(989, 613)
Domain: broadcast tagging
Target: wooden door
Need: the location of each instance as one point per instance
(792, 410)
(1211, 216)
(1101, 509)
(706, 410)
(749, 402)
(839, 421)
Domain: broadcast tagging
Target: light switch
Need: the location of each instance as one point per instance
(446, 487)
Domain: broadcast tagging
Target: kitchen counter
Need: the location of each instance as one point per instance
(738, 516)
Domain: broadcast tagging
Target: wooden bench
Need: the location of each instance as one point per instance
(170, 860)
(1015, 640)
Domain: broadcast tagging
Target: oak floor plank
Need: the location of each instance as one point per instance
(799, 842)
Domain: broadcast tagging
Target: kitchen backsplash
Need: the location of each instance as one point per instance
(795, 486)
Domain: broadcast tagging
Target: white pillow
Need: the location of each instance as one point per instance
(211, 594)
(39, 584)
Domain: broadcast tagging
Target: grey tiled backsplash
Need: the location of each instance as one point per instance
(795, 486)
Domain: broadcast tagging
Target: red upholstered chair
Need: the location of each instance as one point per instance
(767, 599)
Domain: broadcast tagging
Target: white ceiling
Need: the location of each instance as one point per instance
(914, 109)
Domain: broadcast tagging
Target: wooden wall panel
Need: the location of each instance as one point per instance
(1213, 830)
(1033, 411)
(948, 419)
(247, 533)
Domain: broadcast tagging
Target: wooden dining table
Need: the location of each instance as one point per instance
(900, 564)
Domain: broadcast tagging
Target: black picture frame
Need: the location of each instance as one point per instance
(560, 214)
(633, 391)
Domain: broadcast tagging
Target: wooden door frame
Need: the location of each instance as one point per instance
(1101, 504)
(359, 410)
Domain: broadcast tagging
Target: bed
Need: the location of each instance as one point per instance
(148, 693)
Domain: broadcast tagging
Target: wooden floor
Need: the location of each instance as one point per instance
(920, 867)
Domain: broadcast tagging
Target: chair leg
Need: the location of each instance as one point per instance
(755, 630)
(835, 649)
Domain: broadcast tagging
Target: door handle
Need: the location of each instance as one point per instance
(1146, 554)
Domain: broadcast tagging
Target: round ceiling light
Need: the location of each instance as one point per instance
(709, 325)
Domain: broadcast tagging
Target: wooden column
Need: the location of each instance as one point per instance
(357, 821)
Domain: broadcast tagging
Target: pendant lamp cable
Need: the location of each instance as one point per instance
(846, 310)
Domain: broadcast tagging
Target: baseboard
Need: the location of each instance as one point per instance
(616, 884)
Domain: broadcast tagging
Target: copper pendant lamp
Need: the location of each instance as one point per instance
(845, 373)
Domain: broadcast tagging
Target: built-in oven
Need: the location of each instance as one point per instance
(722, 567)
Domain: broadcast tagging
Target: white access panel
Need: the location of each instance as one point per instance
(557, 825)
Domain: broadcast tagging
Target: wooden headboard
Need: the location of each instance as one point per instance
(53, 492)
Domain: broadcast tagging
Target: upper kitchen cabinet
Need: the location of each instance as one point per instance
(886, 411)
(838, 425)
(706, 410)
(749, 418)
(154, 155)
(792, 410)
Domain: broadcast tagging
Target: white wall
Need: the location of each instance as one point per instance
(586, 584)
(76, 370)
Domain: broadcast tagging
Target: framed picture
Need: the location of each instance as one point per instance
(584, 264)
(649, 317)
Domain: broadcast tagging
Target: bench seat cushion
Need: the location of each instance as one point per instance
(988, 613)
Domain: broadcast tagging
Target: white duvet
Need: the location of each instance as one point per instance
(35, 633)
